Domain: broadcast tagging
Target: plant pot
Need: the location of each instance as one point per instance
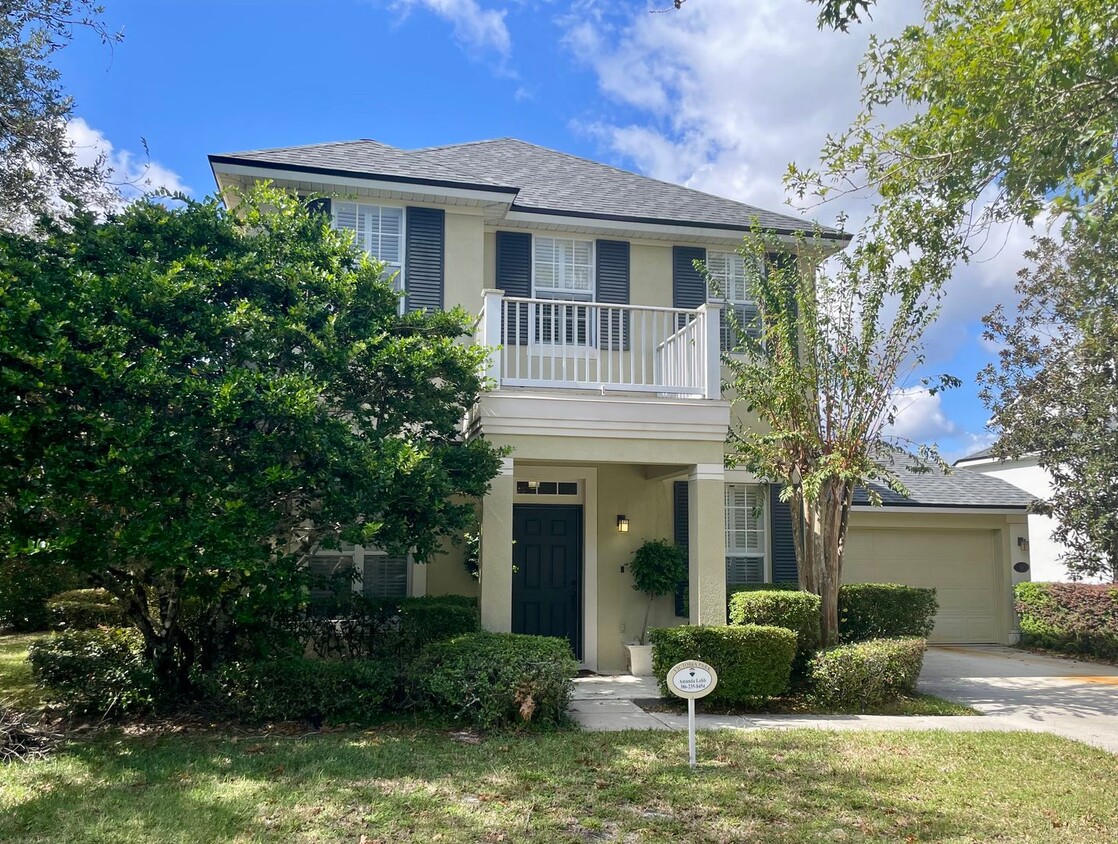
(640, 660)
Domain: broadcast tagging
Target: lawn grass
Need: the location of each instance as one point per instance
(400, 785)
(16, 686)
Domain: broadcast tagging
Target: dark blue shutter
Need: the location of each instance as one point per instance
(612, 272)
(780, 540)
(425, 244)
(514, 276)
(682, 534)
(319, 205)
(689, 288)
(784, 260)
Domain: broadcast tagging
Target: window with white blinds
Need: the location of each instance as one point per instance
(563, 268)
(355, 569)
(746, 543)
(729, 285)
(377, 229)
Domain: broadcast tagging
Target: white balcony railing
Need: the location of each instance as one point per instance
(596, 346)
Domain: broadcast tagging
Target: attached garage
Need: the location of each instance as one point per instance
(963, 566)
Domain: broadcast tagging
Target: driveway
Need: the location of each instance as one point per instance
(1075, 699)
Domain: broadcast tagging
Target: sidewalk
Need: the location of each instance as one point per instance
(606, 704)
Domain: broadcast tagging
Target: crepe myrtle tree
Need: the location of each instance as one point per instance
(192, 399)
(819, 374)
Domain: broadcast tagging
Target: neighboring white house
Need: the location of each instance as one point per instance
(1026, 473)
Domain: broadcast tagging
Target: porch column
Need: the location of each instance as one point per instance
(495, 570)
(706, 541)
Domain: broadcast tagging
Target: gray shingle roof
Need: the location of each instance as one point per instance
(544, 181)
(961, 488)
(983, 454)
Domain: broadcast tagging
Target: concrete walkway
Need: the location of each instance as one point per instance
(1015, 690)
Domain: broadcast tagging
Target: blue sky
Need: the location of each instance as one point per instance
(720, 96)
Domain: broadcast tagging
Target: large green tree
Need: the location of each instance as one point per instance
(818, 378)
(37, 164)
(192, 399)
(1054, 389)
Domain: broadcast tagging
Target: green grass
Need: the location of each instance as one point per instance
(16, 686)
(397, 785)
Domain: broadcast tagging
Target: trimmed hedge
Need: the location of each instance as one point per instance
(25, 585)
(300, 689)
(84, 609)
(885, 611)
(496, 679)
(95, 671)
(754, 662)
(866, 674)
(1074, 618)
(423, 621)
(792, 610)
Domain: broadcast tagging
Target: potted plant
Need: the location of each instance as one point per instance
(658, 567)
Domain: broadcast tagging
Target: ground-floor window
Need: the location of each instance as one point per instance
(352, 568)
(746, 543)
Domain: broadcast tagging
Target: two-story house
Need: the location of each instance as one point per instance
(607, 372)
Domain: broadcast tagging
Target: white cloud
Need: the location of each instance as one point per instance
(474, 27)
(919, 416)
(129, 173)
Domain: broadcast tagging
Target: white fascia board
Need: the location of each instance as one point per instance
(902, 508)
(254, 172)
(528, 219)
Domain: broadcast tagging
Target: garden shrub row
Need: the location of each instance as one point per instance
(95, 671)
(297, 688)
(1074, 618)
(866, 674)
(754, 662)
(83, 609)
(866, 610)
(792, 610)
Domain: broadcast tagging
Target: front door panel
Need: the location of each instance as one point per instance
(546, 582)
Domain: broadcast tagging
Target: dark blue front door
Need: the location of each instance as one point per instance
(547, 579)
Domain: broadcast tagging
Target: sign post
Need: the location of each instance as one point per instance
(691, 679)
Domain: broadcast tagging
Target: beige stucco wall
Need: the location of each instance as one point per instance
(465, 260)
(447, 575)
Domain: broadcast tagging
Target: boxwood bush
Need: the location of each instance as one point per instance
(496, 679)
(95, 671)
(295, 688)
(83, 609)
(753, 661)
(1075, 618)
(793, 610)
(885, 610)
(866, 674)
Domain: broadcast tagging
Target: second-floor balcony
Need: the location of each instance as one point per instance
(582, 345)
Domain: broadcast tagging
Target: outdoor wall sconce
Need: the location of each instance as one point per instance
(622, 524)
(1022, 542)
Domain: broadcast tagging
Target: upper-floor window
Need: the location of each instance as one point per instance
(745, 533)
(377, 229)
(562, 268)
(730, 286)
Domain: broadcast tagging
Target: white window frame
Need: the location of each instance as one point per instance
(400, 282)
(760, 491)
(563, 296)
(726, 296)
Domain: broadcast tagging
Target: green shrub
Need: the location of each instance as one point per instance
(494, 679)
(792, 610)
(25, 585)
(300, 689)
(866, 674)
(753, 662)
(84, 609)
(1075, 618)
(423, 621)
(95, 671)
(885, 611)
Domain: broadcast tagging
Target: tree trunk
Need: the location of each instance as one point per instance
(820, 538)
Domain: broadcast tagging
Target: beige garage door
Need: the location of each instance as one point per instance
(960, 564)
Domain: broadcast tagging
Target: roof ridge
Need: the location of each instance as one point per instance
(463, 144)
(318, 145)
